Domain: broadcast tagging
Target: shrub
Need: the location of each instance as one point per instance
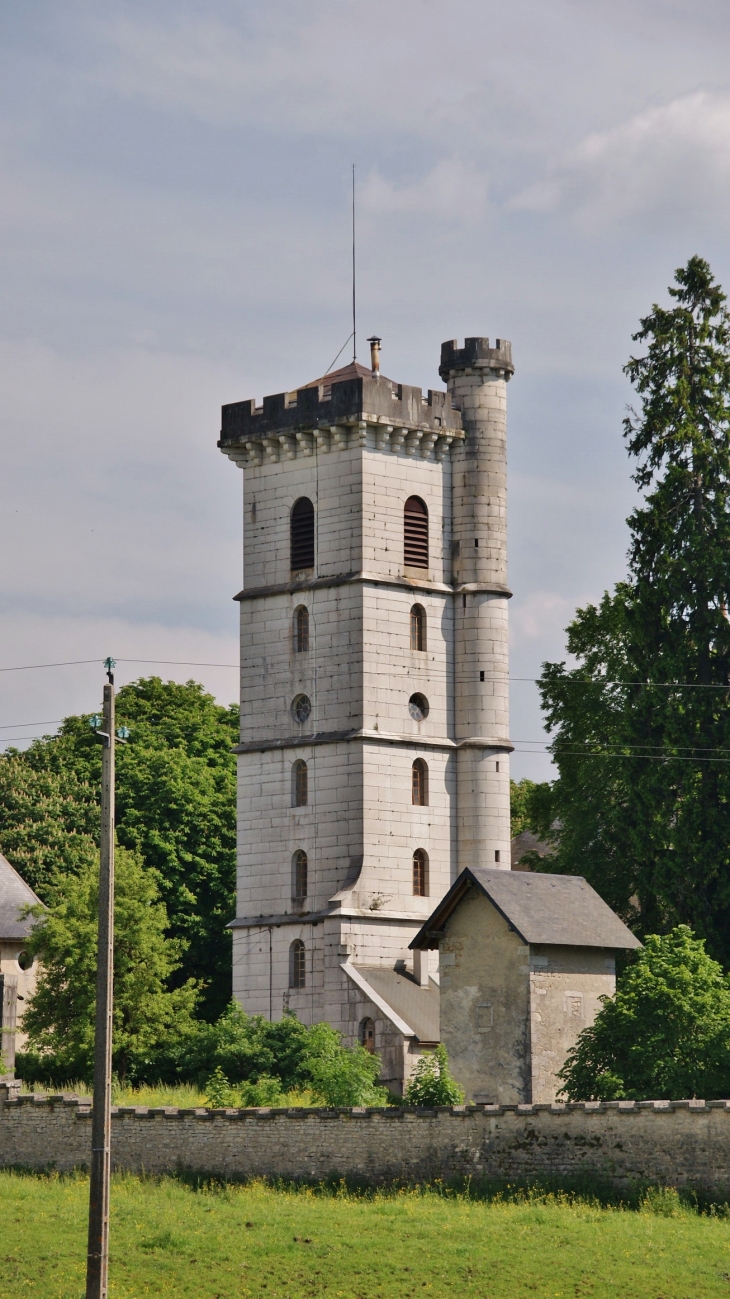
(341, 1075)
(432, 1083)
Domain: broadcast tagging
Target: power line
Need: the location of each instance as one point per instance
(31, 667)
(646, 757)
(55, 721)
(195, 663)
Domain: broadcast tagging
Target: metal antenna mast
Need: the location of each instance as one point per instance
(354, 332)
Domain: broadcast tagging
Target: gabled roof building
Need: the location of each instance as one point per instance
(17, 972)
(524, 959)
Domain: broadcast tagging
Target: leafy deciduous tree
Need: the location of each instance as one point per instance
(59, 1020)
(665, 1035)
(176, 807)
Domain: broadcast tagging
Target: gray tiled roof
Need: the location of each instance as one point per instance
(418, 1006)
(15, 894)
(562, 910)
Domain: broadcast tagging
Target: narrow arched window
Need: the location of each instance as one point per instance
(367, 1035)
(419, 783)
(420, 873)
(302, 534)
(300, 869)
(418, 627)
(300, 784)
(415, 533)
(297, 964)
(301, 630)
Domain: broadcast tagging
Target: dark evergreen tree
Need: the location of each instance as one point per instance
(642, 724)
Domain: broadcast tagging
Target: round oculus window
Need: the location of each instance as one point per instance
(25, 960)
(418, 707)
(301, 708)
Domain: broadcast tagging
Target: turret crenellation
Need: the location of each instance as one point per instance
(476, 354)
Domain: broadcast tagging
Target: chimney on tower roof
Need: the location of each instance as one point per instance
(375, 355)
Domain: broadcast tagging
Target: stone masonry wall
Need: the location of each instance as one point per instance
(683, 1143)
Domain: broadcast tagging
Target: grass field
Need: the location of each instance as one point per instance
(182, 1095)
(170, 1239)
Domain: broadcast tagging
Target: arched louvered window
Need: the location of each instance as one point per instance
(419, 783)
(420, 873)
(415, 533)
(300, 869)
(302, 534)
(301, 630)
(300, 784)
(367, 1035)
(297, 964)
(418, 627)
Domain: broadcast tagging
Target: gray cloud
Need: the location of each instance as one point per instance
(174, 233)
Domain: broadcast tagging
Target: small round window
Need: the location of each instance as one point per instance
(301, 708)
(25, 960)
(418, 707)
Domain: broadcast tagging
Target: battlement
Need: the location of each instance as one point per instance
(670, 1143)
(476, 354)
(350, 401)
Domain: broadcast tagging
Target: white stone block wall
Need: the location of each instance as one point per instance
(360, 827)
(481, 645)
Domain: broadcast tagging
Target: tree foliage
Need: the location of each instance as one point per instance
(341, 1075)
(176, 808)
(148, 1017)
(431, 1082)
(641, 725)
(665, 1035)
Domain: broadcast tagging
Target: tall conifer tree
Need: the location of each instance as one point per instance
(642, 725)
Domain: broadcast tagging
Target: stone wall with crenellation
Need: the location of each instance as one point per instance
(683, 1143)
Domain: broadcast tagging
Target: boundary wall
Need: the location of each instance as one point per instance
(685, 1144)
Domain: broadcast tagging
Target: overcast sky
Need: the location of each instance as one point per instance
(174, 235)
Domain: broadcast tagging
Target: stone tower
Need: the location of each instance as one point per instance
(373, 762)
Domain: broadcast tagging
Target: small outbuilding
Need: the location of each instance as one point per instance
(524, 959)
(17, 971)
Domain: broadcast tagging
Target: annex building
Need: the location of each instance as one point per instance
(374, 751)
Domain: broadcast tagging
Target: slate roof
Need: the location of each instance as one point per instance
(561, 910)
(15, 894)
(354, 370)
(417, 1006)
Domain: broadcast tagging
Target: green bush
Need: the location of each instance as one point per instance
(431, 1082)
(666, 1033)
(341, 1075)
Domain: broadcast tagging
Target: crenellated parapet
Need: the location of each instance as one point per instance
(475, 355)
(366, 412)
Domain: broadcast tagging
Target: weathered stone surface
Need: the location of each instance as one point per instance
(684, 1144)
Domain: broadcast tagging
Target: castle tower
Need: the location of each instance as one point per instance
(477, 377)
(367, 761)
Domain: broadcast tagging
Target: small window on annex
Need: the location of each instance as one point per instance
(300, 870)
(367, 1035)
(300, 784)
(415, 533)
(418, 627)
(297, 964)
(419, 783)
(302, 534)
(420, 873)
(301, 630)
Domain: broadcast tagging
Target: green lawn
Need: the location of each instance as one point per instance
(168, 1239)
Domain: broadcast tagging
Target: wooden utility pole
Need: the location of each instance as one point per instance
(97, 1265)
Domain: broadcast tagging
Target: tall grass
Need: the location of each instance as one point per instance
(182, 1096)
